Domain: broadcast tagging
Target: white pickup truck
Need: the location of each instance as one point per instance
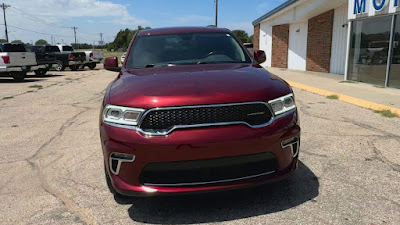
(92, 58)
(16, 62)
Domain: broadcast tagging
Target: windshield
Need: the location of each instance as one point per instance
(13, 48)
(185, 48)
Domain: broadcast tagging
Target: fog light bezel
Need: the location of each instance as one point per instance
(294, 144)
(120, 158)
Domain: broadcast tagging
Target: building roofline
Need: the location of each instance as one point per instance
(274, 11)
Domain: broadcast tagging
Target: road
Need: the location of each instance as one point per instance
(53, 171)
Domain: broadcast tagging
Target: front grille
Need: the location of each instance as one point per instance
(208, 171)
(162, 120)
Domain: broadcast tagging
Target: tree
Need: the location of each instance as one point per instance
(241, 34)
(17, 42)
(123, 38)
(3, 41)
(250, 39)
(41, 42)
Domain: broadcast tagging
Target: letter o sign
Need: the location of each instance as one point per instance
(379, 4)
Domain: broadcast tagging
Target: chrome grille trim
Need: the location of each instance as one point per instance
(211, 182)
(149, 134)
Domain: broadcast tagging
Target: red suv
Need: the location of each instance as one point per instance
(192, 111)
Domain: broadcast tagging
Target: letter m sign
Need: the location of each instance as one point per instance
(359, 6)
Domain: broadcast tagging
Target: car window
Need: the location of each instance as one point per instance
(13, 48)
(67, 49)
(52, 49)
(186, 48)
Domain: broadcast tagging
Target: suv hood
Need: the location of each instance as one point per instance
(195, 85)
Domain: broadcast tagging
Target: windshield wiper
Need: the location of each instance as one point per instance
(150, 65)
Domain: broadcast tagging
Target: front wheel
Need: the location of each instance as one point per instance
(40, 72)
(19, 76)
(60, 66)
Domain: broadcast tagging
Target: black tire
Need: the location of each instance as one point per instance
(40, 72)
(19, 76)
(82, 67)
(74, 68)
(92, 66)
(60, 66)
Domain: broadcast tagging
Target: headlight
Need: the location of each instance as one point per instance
(122, 115)
(282, 104)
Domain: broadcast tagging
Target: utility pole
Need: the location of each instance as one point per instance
(101, 39)
(4, 7)
(216, 13)
(74, 32)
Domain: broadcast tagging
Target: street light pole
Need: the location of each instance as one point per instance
(216, 13)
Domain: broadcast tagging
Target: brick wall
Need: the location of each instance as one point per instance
(319, 42)
(280, 45)
(256, 37)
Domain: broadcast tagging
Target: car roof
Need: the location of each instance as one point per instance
(174, 30)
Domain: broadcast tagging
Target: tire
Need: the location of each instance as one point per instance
(60, 66)
(74, 68)
(92, 66)
(40, 72)
(19, 76)
(82, 67)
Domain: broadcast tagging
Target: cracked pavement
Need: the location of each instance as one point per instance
(53, 170)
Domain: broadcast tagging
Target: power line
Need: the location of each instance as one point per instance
(23, 13)
(4, 7)
(19, 28)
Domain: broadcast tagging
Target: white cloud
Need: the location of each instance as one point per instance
(56, 11)
(192, 19)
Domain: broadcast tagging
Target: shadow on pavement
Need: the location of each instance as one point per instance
(45, 76)
(11, 81)
(301, 187)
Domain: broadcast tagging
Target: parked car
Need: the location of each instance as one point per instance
(16, 62)
(67, 57)
(93, 58)
(43, 57)
(192, 111)
(250, 47)
(123, 58)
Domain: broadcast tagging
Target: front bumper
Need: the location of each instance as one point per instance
(198, 144)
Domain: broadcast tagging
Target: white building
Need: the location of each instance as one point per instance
(355, 38)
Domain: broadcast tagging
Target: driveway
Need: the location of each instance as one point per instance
(53, 167)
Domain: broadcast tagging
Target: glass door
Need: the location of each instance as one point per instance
(394, 75)
(369, 50)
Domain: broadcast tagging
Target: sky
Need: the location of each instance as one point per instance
(30, 20)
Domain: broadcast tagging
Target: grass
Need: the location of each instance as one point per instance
(36, 86)
(109, 54)
(30, 91)
(386, 113)
(378, 86)
(335, 97)
(8, 97)
(348, 81)
(68, 78)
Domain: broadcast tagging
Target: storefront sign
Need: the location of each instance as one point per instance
(371, 7)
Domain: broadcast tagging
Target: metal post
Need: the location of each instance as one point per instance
(346, 68)
(4, 7)
(216, 13)
(390, 53)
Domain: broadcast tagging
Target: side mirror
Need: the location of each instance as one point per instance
(111, 64)
(260, 56)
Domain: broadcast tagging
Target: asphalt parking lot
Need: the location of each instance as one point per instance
(52, 168)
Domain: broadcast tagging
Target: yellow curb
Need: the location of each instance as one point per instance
(345, 98)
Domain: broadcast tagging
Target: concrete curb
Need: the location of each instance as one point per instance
(345, 98)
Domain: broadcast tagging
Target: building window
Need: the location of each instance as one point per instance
(394, 76)
(369, 50)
